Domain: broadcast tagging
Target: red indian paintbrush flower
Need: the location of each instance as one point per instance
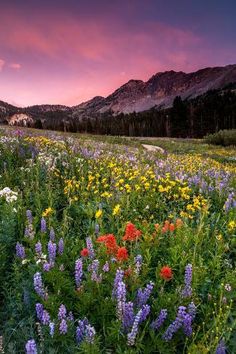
(122, 254)
(110, 243)
(84, 252)
(166, 273)
(131, 233)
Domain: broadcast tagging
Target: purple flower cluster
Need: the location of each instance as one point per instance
(184, 320)
(155, 325)
(39, 311)
(134, 331)
(43, 226)
(138, 264)
(51, 328)
(45, 318)
(128, 315)
(20, 250)
(84, 331)
(38, 285)
(89, 245)
(52, 234)
(29, 216)
(31, 347)
(106, 267)
(38, 248)
(78, 272)
(121, 298)
(221, 348)
(187, 292)
(61, 246)
(93, 268)
(143, 295)
(52, 250)
(63, 327)
(230, 202)
(62, 312)
(118, 278)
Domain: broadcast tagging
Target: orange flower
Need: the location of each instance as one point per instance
(178, 223)
(131, 233)
(122, 254)
(84, 252)
(157, 226)
(166, 273)
(110, 243)
(172, 227)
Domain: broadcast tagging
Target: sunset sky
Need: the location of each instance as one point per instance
(54, 51)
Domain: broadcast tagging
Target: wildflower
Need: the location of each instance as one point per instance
(155, 325)
(143, 295)
(39, 311)
(78, 272)
(80, 330)
(188, 280)
(192, 310)
(38, 248)
(166, 273)
(145, 312)
(43, 225)
(110, 243)
(63, 326)
(89, 244)
(131, 233)
(38, 285)
(84, 252)
(182, 319)
(178, 223)
(122, 254)
(118, 278)
(60, 246)
(171, 227)
(221, 348)
(138, 263)
(47, 212)
(94, 268)
(20, 250)
(106, 267)
(46, 267)
(52, 249)
(51, 328)
(98, 214)
(128, 315)
(31, 347)
(70, 316)
(89, 333)
(121, 298)
(52, 234)
(228, 287)
(116, 210)
(134, 331)
(29, 216)
(45, 318)
(62, 312)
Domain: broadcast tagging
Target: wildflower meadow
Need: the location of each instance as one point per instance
(108, 248)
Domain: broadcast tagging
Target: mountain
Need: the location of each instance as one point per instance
(156, 94)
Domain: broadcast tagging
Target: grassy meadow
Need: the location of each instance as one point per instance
(108, 248)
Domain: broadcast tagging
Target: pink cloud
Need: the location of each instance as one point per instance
(15, 66)
(2, 63)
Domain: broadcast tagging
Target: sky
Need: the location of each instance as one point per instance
(68, 51)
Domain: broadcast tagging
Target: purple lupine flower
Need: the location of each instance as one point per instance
(38, 248)
(38, 285)
(187, 292)
(118, 278)
(192, 310)
(70, 316)
(30, 347)
(39, 311)
(230, 202)
(138, 264)
(128, 315)
(45, 318)
(145, 312)
(46, 267)
(43, 227)
(176, 325)
(96, 230)
(61, 246)
(106, 267)
(51, 328)
(89, 245)
(63, 326)
(221, 348)
(78, 272)
(187, 325)
(52, 234)
(143, 295)
(89, 333)
(155, 325)
(94, 266)
(121, 297)
(62, 312)
(52, 250)
(29, 216)
(20, 250)
(80, 330)
(134, 331)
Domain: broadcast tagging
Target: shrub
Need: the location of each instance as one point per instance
(222, 137)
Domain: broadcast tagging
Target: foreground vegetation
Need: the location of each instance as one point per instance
(106, 248)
